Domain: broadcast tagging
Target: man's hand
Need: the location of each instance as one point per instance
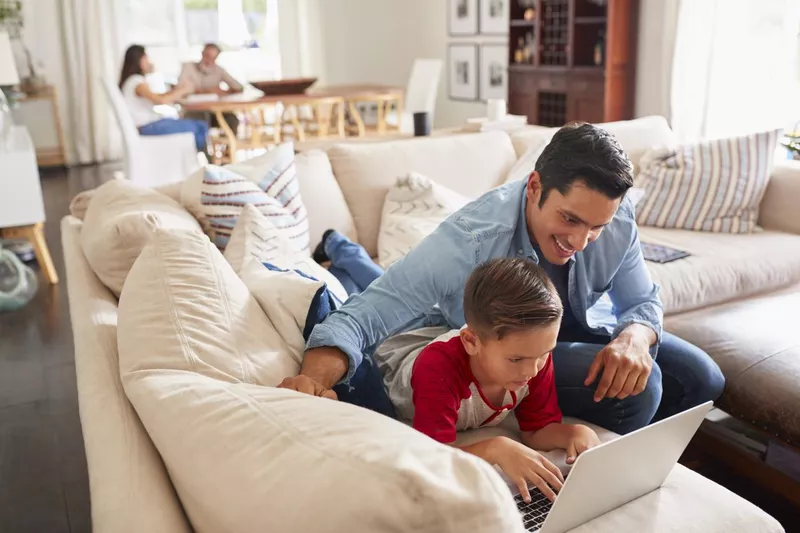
(625, 362)
(306, 385)
(322, 369)
(582, 438)
(524, 465)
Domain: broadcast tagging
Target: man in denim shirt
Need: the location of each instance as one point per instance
(614, 365)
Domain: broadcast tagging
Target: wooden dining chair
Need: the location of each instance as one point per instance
(385, 104)
(320, 117)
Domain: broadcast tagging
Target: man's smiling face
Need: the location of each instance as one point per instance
(565, 224)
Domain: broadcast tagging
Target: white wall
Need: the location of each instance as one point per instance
(376, 41)
(42, 35)
(658, 21)
(352, 41)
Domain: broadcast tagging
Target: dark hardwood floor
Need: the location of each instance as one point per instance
(44, 486)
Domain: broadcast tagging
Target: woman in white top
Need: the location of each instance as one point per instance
(141, 100)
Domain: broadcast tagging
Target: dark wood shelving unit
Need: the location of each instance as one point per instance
(573, 60)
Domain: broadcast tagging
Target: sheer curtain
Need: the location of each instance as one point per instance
(90, 54)
(735, 68)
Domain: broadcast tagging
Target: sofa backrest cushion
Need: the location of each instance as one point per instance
(324, 201)
(469, 164)
(636, 136)
(119, 221)
(199, 360)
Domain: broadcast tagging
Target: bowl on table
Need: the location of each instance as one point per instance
(284, 86)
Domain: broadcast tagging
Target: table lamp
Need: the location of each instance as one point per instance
(8, 77)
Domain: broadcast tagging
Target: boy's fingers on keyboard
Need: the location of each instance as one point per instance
(550, 479)
(522, 484)
(542, 486)
(553, 468)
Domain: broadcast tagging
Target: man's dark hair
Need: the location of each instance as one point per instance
(215, 46)
(587, 153)
(507, 295)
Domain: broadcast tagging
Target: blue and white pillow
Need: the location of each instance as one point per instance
(294, 300)
(713, 186)
(216, 195)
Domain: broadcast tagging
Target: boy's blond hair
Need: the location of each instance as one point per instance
(507, 295)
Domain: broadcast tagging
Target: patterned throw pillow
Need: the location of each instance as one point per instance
(256, 237)
(215, 196)
(413, 208)
(708, 186)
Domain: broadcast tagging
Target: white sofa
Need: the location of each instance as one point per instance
(154, 481)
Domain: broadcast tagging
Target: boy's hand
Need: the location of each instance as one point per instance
(582, 439)
(524, 466)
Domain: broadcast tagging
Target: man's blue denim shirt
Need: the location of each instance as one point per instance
(609, 284)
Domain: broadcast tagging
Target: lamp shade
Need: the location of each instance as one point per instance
(8, 70)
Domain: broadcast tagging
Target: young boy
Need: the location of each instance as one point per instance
(498, 362)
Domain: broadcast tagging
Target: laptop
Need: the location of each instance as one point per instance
(613, 474)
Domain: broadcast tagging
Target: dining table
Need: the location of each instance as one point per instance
(253, 98)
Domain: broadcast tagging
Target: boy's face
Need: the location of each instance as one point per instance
(512, 361)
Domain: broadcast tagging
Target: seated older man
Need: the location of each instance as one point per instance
(206, 76)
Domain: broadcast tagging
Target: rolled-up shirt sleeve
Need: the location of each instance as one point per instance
(408, 290)
(634, 295)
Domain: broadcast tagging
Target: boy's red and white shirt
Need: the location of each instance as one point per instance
(447, 398)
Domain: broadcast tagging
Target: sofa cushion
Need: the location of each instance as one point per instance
(215, 195)
(722, 267)
(527, 161)
(755, 343)
(712, 185)
(119, 221)
(414, 207)
(322, 197)
(636, 136)
(130, 488)
(199, 361)
(467, 164)
(256, 237)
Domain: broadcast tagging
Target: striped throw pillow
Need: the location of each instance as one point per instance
(713, 186)
(216, 196)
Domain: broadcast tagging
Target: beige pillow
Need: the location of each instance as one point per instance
(199, 359)
(324, 200)
(119, 221)
(254, 236)
(80, 202)
(527, 162)
(467, 164)
(414, 208)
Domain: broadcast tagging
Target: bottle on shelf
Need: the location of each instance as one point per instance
(600, 49)
(518, 53)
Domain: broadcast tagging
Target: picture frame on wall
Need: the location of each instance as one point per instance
(494, 17)
(462, 17)
(493, 76)
(462, 72)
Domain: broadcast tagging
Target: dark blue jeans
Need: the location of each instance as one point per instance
(683, 376)
(350, 263)
(167, 126)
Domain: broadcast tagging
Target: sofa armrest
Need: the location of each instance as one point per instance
(778, 210)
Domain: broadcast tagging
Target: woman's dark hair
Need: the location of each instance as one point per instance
(587, 153)
(132, 63)
(507, 295)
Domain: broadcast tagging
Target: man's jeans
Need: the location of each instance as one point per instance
(683, 376)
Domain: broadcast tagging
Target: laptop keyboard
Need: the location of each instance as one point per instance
(534, 513)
